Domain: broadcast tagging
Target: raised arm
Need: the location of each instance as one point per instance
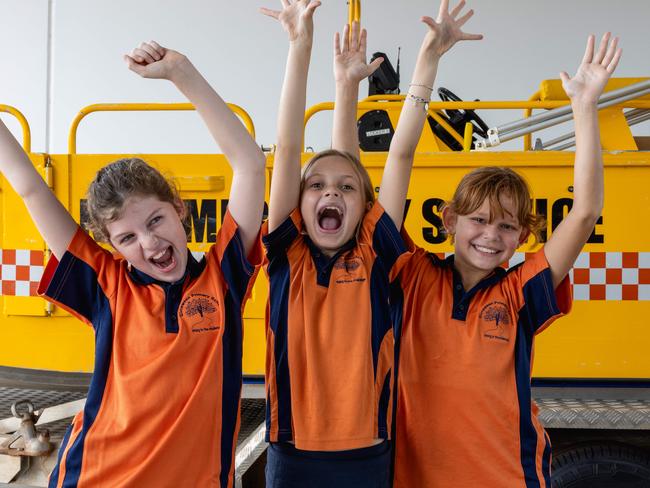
(443, 33)
(246, 201)
(53, 221)
(297, 20)
(583, 89)
(350, 68)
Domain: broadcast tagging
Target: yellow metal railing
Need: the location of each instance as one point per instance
(395, 102)
(27, 134)
(528, 138)
(135, 107)
(377, 105)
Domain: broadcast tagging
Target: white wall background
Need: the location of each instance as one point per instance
(60, 55)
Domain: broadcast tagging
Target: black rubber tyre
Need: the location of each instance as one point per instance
(601, 466)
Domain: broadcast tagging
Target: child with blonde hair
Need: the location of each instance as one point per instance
(332, 251)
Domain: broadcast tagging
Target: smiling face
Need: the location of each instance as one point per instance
(149, 234)
(483, 241)
(332, 202)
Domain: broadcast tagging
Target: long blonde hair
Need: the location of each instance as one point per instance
(364, 177)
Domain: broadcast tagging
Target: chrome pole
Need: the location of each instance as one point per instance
(496, 137)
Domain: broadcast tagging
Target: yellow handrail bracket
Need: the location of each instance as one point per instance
(145, 107)
(27, 134)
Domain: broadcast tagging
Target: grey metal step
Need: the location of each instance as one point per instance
(250, 443)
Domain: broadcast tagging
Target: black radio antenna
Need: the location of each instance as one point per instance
(399, 54)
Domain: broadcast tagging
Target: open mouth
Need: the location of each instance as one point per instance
(330, 219)
(164, 260)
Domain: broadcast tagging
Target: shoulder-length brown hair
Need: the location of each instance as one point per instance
(491, 183)
(116, 182)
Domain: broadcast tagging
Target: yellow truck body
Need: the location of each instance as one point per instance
(591, 369)
(605, 336)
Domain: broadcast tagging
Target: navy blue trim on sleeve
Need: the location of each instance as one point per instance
(382, 412)
(233, 339)
(527, 431)
(381, 317)
(103, 323)
(278, 241)
(387, 242)
(540, 300)
(74, 284)
(54, 476)
(546, 460)
(236, 269)
(279, 278)
(397, 316)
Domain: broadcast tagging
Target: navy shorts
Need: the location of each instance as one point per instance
(288, 467)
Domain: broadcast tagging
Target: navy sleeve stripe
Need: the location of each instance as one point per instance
(54, 477)
(103, 323)
(397, 315)
(232, 380)
(387, 241)
(546, 461)
(279, 278)
(380, 310)
(236, 269)
(267, 435)
(74, 285)
(278, 241)
(540, 303)
(527, 432)
(384, 404)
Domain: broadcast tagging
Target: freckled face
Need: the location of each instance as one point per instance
(332, 203)
(481, 243)
(150, 235)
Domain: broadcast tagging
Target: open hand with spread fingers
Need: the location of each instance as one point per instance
(296, 18)
(446, 30)
(594, 71)
(151, 60)
(350, 58)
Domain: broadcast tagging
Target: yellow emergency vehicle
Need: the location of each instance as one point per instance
(592, 368)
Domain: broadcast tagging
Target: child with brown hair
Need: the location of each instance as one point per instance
(163, 403)
(465, 416)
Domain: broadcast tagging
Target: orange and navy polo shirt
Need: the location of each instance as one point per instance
(330, 342)
(163, 404)
(465, 416)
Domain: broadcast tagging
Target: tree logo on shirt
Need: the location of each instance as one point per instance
(496, 321)
(201, 312)
(348, 266)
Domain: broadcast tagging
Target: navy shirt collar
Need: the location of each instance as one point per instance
(323, 263)
(462, 298)
(193, 270)
(173, 291)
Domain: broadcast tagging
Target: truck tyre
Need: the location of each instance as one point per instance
(601, 466)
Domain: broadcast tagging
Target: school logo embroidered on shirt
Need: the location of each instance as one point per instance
(349, 270)
(201, 312)
(496, 321)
